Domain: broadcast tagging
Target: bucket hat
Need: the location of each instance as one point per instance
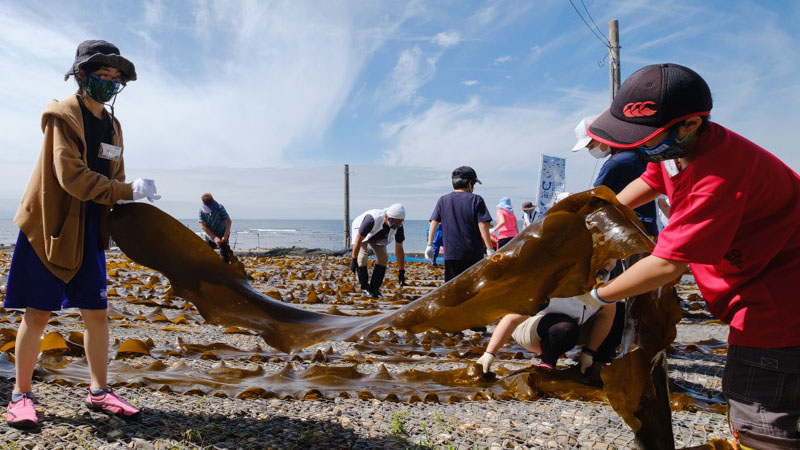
(505, 203)
(102, 53)
(583, 139)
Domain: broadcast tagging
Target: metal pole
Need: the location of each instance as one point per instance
(613, 56)
(346, 206)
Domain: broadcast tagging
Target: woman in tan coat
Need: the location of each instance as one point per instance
(59, 259)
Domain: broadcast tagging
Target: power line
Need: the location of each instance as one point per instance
(594, 23)
(599, 37)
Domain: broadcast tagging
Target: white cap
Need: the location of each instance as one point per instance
(396, 211)
(580, 133)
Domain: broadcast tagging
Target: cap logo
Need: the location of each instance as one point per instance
(638, 109)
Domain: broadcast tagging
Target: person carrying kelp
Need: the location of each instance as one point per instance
(59, 259)
(216, 224)
(735, 220)
(377, 228)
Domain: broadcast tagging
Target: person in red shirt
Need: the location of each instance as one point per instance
(735, 220)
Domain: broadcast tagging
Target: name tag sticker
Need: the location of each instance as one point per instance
(672, 168)
(110, 152)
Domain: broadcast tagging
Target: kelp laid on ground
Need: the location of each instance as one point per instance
(558, 256)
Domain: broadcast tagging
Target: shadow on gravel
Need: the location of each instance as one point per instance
(174, 429)
(209, 430)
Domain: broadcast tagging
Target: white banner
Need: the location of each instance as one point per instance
(551, 181)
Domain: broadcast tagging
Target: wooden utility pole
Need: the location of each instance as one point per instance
(346, 206)
(613, 56)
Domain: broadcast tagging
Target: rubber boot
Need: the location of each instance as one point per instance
(363, 277)
(377, 280)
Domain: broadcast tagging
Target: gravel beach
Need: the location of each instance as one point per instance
(204, 386)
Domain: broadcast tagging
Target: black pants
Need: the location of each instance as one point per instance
(454, 267)
(762, 386)
(560, 333)
(503, 242)
(224, 249)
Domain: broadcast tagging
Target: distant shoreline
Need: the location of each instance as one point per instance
(268, 252)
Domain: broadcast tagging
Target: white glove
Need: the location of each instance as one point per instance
(429, 253)
(145, 188)
(585, 360)
(486, 361)
(489, 252)
(592, 299)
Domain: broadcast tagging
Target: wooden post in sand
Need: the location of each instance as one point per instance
(346, 206)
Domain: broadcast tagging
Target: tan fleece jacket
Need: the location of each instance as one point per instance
(52, 211)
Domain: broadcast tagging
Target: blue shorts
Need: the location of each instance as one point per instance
(31, 284)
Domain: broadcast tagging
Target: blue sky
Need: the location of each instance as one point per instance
(262, 103)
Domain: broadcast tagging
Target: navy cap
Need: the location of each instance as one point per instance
(465, 173)
(651, 100)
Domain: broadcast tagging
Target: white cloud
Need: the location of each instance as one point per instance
(536, 52)
(496, 14)
(273, 78)
(504, 143)
(153, 12)
(411, 71)
(447, 39)
(226, 87)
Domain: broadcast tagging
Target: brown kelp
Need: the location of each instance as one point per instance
(557, 256)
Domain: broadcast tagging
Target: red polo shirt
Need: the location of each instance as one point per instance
(735, 217)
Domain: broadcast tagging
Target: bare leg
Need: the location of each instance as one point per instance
(26, 350)
(503, 331)
(95, 342)
(601, 326)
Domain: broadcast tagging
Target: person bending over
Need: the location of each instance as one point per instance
(558, 328)
(377, 228)
(216, 224)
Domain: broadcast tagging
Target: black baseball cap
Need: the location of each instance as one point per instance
(651, 100)
(102, 53)
(465, 173)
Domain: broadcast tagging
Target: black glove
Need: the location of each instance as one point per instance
(401, 275)
(354, 265)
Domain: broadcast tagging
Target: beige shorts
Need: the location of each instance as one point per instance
(525, 334)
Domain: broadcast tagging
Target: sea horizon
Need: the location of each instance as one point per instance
(251, 234)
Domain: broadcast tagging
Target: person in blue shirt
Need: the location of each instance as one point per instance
(622, 167)
(465, 224)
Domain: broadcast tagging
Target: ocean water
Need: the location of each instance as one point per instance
(252, 234)
(247, 234)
